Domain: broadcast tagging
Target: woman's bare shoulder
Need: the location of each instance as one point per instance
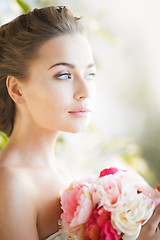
(13, 177)
(16, 206)
(16, 190)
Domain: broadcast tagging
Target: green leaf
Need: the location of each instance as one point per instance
(24, 6)
(3, 140)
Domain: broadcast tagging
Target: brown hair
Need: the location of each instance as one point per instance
(19, 41)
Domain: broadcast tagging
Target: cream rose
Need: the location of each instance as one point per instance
(132, 215)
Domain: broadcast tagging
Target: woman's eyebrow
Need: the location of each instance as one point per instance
(63, 64)
(91, 65)
(69, 65)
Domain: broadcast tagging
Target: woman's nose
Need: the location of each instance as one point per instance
(82, 90)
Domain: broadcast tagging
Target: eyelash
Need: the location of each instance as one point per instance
(91, 76)
(61, 76)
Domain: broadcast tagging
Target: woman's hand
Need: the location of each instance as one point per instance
(151, 230)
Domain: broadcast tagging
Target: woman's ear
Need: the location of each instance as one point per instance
(14, 89)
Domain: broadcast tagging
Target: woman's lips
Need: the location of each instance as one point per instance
(82, 112)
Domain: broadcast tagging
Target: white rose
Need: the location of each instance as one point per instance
(129, 218)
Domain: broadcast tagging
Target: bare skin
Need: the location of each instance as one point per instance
(29, 202)
(30, 193)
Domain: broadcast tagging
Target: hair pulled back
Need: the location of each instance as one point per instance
(19, 41)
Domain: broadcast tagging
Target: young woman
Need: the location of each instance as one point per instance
(46, 86)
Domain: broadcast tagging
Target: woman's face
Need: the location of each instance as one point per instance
(59, 93)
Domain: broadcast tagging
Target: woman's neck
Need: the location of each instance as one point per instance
(33, 145)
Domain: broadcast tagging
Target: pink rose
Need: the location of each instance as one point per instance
(142, 186)
(109, 192)
(77, 206)
(153, 194)
(99, 226)
(108, 171)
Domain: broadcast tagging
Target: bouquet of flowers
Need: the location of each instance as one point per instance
(112, 206)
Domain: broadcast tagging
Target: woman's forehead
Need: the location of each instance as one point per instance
(67, 48)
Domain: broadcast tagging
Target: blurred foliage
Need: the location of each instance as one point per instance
(127, 152)
(44, 3)
(3, 140)
(92, 152)
(24, 6)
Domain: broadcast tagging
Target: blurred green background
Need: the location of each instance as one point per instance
(125, 130)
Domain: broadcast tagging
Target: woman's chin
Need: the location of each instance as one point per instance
(79, 129)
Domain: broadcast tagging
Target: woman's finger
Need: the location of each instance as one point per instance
(154, 220)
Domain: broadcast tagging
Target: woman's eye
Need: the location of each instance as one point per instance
(64, 76)
(90, 76)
